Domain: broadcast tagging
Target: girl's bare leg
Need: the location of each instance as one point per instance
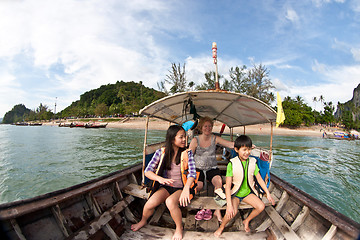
(199, 186)
(155, 200)
(217, 182)
(258, 205)
(235, 202)
(172, 203)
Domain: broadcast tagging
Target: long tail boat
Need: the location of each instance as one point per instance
(105, 207)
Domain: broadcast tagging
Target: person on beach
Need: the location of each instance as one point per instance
(243, 184)
(172, 189)
(204, 146)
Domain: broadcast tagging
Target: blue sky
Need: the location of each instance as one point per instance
(56, 50)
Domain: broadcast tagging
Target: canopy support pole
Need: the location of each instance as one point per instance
(244, 130)
(271, 139)
(144, 150)
(214, 51)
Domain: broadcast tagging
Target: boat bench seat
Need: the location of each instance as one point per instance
(196, 203)
(209, 203)
(135, 190)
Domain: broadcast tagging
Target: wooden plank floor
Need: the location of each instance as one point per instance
(149, 232)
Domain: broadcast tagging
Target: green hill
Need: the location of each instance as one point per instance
(17, 114)
(112, 99)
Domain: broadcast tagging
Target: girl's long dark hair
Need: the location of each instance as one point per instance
(169, 151)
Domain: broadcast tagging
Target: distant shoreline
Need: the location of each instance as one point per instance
(260, 129)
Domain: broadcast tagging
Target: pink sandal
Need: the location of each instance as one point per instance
(207, 214)
(200, 215)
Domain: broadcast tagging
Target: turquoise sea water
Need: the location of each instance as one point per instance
(37, 160)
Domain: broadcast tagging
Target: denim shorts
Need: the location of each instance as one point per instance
(242, 198)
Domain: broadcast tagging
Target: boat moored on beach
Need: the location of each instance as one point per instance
(95, 125)
(339, 136)
(64, 124)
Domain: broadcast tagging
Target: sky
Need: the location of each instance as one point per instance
(54, 51)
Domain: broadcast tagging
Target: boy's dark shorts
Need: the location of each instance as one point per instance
(209, 174)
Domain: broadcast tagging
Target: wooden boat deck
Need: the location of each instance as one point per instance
(153, 232)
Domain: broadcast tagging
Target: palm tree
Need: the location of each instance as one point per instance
(191, 85)
(315, 100)
(299, 100)
(322, 100)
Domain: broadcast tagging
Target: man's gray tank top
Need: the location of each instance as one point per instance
(205, 158)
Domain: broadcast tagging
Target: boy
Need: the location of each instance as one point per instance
(243, 184)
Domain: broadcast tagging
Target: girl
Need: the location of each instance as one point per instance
(172, 190)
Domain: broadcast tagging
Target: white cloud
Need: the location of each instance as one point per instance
(356, 53)
(319, 67)
(320, 3)
(62, 48)
(91, 43)
(280, 86)
(339, 84)
(352, 49)
(292, 16)
(355, 4)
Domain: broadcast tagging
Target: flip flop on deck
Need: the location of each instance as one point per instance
(200, 215)
(207, 214)
(203, 215)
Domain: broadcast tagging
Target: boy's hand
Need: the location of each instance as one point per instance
(230, 211)
(271, 200)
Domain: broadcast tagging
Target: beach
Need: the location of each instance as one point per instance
(259, 129)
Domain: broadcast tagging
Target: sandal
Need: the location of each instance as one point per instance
(200, 215)
(207, 214)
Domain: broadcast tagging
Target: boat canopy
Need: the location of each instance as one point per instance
(233, 109)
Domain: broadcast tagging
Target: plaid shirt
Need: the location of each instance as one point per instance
(156, 159)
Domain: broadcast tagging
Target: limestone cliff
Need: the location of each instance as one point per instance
(350, 105)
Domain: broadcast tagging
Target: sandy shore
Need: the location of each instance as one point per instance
(260, 129)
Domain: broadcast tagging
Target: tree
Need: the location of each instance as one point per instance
(238, 79)
(210, 79)
(297, 112)
(191, 85)
(43, 112)
(328, 116)
(299, 100)
(314, 100)
(162, 88)
(347, 120)
(176, 78)
(260, 84)
(120, 98)
(101, 109)
(227, 85)
(321, 99)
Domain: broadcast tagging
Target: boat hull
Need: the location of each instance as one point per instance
(104, 208)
